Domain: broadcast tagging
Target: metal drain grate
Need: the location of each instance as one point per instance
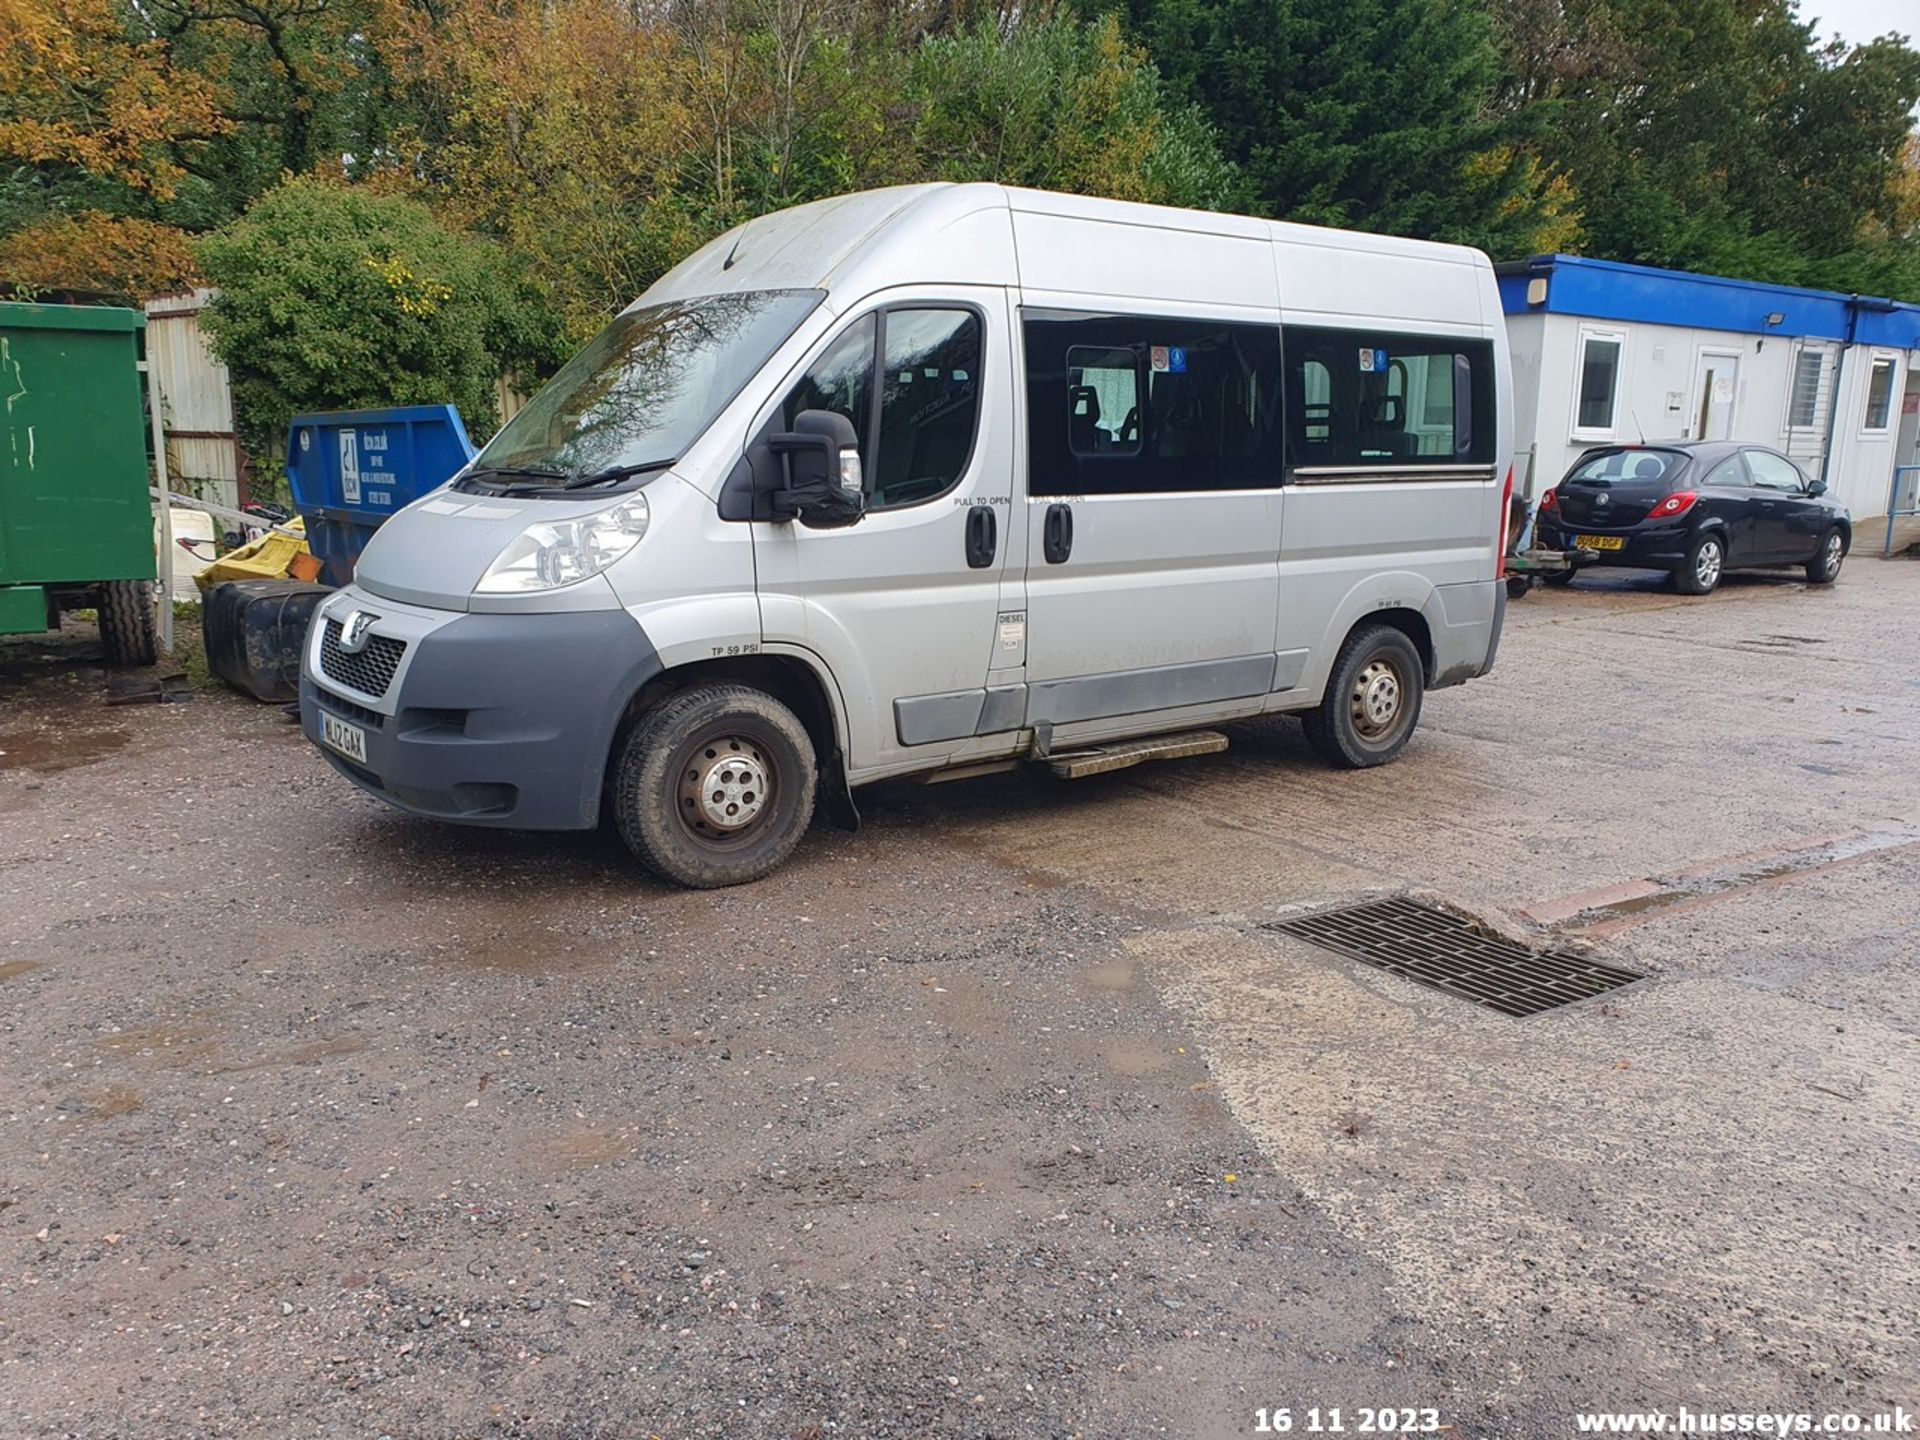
(1448, 952)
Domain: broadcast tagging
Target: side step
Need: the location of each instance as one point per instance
(1098, 759)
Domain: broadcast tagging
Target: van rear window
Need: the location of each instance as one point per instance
(1363, 400)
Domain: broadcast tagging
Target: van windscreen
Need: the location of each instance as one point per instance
(645, 387)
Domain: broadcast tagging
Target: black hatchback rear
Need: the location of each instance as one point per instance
(1695, 509)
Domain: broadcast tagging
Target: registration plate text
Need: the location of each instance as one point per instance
(1600, 542)
(349, 740)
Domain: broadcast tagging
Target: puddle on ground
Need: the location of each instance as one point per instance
(1674, 891)
(115, 1100)
(582, 1149)
(311, 1053)
(1136, 1058)
(13, 969)
(47, 753)
(531, 950)
(1112, 975)
(172, 1047)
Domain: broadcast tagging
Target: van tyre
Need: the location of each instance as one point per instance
(1372, 702)
(715, 786)
(126, 623)
(1824, 568)
(1705, 563)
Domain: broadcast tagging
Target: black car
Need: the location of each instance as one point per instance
(1695, 508)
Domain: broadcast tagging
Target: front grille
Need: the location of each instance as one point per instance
(371, 671)
(347, 710)
(1449, 952)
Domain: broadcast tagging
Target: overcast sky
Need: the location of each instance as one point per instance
(1858, 20)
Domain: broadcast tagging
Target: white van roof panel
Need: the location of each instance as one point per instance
(1079, 247)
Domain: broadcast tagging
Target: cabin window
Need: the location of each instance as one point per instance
(1597, 397)
(1129, 404)
(841, 381)
(929, 404)
(1364, 399)
(1880, 393)
(928, 381)
(1803, 406)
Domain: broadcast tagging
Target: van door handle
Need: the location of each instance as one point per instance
(983, 538)
(1057, 537)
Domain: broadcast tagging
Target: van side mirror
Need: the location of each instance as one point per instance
(1816, 487)
(824, 488)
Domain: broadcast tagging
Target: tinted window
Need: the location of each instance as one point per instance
(1730, 471)
(1599, 379)
(929, 401)
(644, 388)
(1127, 404)
(1772, 472)
(929, 388)
(1103, 401)
(1643, 465)
(1365, 398)
(841, 381)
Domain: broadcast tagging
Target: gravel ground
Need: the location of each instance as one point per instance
(1001, 1118)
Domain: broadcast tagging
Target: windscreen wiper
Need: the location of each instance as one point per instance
(512, 472)
(618, 472)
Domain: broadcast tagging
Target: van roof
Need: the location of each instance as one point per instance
(984, 233)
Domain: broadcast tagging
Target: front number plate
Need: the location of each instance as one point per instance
(1599, 542)
(349, 740)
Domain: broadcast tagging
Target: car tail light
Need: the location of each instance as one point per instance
(1549, 501)
(1506, 514)
(1677, 503)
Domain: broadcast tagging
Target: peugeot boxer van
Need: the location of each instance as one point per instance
(936, 480)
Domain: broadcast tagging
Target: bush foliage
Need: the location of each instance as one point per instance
(336, 298)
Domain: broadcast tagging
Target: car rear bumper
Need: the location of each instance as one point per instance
(492, 719)
(1657, 547)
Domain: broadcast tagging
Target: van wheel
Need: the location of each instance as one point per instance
(1372, 701)
(715, 786)
(126, 623)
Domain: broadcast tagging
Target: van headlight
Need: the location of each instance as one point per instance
(552, 553)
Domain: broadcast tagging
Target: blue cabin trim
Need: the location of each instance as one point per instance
(1610, 290)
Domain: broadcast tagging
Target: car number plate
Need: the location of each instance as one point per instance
(349, 740)
(1600, 542)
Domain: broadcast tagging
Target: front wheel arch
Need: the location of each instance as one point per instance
(790, 681)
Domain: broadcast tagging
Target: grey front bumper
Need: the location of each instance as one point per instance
(493, 719)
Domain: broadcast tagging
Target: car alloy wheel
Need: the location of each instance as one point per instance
(1706, 564)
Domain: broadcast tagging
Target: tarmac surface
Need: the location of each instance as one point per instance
(1006, 1116)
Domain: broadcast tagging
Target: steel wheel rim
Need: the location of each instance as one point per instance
(1706, 565)
(1377, 700)
(725, 789)
(1834, 549)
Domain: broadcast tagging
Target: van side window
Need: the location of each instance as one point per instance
(1360, 398)
(1129, 404)
(841, 381)
(929, 404)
